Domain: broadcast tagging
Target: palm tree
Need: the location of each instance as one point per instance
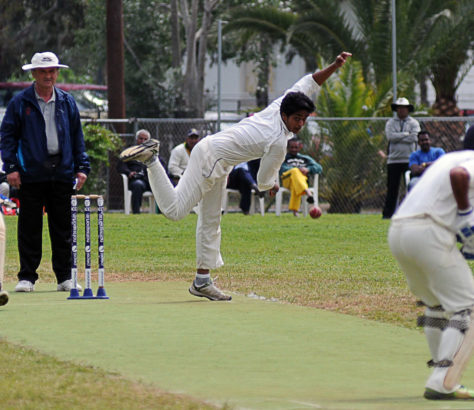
(255, 32)
(432, 36)
(353, 170)
(450, 55)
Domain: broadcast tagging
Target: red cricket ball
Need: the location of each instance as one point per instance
(315, 212)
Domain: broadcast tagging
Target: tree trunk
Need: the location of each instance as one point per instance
(175, 37)
(115, 86)
(190, 74)
(196, 51)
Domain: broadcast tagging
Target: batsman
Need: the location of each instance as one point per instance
(423, 238)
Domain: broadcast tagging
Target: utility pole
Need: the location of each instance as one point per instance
(115, 65)
(394, 50)
(115, 90)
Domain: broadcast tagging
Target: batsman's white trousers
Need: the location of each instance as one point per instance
(203, 183)
(436, 271)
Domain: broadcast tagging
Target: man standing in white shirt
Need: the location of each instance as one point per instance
(402, 135)
(422, 237)
(264, 135)
(179, 156)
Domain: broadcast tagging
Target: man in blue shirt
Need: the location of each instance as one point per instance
(422, 158)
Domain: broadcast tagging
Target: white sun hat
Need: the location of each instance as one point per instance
(44, 60)
(402, 102)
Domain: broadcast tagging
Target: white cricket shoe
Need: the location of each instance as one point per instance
(24, 286)
(3, 297)
(67, 285)
(208, 291)
(143, 152)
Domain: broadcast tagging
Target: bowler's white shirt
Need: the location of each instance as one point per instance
(263, 135)
(433, 195)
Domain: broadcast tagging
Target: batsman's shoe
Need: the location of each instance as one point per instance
(208, 291)
(24, 286)
(143, 152)
(460, 394)
(66, 286)
(3, 297)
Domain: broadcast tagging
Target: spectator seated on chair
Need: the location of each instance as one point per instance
(137, 174)
(294, 173)
(241, 178)
(423, 158)
(179, 156)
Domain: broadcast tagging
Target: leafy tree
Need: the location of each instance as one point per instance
(352, 164)
(254, 32)
(450, 55)
(425, 31)
(30, 26)
(100, 142)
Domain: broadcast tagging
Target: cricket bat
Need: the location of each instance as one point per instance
(453, 376)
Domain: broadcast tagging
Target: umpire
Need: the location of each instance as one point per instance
(43, 153)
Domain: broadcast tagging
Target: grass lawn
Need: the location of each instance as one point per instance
(340, 263)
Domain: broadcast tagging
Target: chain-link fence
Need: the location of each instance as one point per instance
(352, 152)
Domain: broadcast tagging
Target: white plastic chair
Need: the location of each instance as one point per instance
(127, 197)
(313, 189)
(225, 201)
(407, 179)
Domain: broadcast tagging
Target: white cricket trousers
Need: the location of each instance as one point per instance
(436, 271)
(438, 274)
(203, 183)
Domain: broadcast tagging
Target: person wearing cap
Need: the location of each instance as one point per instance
(402, 133)
(179, 156)
(43, 153)
(422, 237)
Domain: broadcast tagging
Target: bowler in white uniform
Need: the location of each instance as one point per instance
(264, 135)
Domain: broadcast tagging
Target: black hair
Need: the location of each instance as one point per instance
(294, 102)
(469, 138)
(423, 132)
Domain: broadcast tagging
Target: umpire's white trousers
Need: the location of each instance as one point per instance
(203, 183)
(436, 271)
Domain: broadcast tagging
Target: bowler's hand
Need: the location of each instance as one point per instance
(341, 58)
(81, 179)
(14, 180)
(272, 192)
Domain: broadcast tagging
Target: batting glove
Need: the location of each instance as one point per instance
(466, 232)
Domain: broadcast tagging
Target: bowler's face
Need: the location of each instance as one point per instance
(45, 77)
(296, 121)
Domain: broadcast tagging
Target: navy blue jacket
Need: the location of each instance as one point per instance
(23, 139)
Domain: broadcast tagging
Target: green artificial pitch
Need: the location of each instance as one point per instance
(246, 353)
